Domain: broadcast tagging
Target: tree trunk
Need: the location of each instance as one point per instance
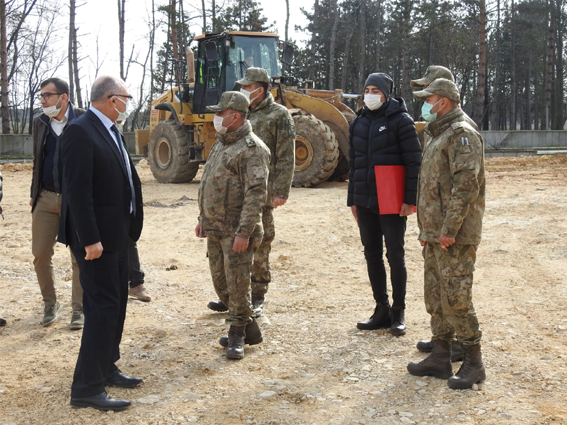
(214, 17)
(287, 19)
(72, 36)
(350, 33)
(74, 53)
(480, 90)
(378, 33)
(497, 97)
(560, 92)
(121, 29)
(204, 16)
(332, 46)
(174, 40)
(513, 71)
(405, 92)
(4, 71)
(549, 68)
(362, 51)
(314, 40)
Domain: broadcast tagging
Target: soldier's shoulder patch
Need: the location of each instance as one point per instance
(250, 140)
(458, 127)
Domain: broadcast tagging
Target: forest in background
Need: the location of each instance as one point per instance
(507, 56)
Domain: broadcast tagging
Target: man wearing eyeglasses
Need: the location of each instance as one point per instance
(45, 199)
(101, 209)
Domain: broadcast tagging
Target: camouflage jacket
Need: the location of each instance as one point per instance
(451, 189)
(234, 184)
(427, 137)
(273, 124)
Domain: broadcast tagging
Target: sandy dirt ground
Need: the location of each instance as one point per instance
(314, 366)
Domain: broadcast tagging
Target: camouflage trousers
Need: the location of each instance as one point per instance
(230, 272)
(448, 280)
(261, 275)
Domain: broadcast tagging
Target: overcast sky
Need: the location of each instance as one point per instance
(98, 18)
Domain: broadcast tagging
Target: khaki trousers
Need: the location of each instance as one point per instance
(45, 224)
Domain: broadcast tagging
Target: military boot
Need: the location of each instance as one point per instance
(253, 335)
(217, 306)
(379, 320)
(437, 364)
(236, 336)
(257, 304)
(398, 327)
(457, 349)
(471, 371)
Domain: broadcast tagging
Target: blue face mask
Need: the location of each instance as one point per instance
(426, 111)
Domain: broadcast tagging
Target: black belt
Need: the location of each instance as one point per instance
(52, 191)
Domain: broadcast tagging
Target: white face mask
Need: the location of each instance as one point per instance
(218, 121)
(249, 93)
(123, 116)
(53, 111)
(373, 101)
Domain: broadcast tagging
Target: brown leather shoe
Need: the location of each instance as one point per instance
(140, 293)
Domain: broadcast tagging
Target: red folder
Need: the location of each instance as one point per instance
(390, 186)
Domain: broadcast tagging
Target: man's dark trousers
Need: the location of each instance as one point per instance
(105, 293)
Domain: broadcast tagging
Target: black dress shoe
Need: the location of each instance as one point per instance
(100, 401)
(2, 322)
(118, 379)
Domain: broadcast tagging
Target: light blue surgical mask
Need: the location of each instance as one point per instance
(426, 111)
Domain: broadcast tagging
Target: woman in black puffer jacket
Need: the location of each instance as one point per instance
(383, 134)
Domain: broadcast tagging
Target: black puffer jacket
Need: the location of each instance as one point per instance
(386, 136)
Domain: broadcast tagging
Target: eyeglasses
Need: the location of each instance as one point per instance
(46, 95)
(127, 96)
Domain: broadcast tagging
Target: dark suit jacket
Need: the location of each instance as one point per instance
(41, 126)
(96, 193)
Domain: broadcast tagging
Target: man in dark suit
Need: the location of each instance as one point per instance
(101, 208)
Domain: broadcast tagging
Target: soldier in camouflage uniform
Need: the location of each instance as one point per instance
(273, 124)
(450, 206)
(231, 196)
(432, 73)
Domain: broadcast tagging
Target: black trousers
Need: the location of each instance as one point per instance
(135, 272)
(375, 229)
(105, 293)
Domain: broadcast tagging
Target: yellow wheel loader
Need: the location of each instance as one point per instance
(181, 130)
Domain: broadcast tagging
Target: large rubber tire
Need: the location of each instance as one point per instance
(316, 151)
(341, 171)
(168, 154)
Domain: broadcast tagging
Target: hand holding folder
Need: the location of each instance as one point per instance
(390, 187)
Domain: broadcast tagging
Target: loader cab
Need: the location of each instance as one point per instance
(222, 59)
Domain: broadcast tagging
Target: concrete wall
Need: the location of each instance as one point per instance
(22, 144)
(524, 139)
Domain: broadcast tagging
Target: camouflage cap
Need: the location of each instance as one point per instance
(431, 74)
(254, 75)
(442, 87)
(231, 100)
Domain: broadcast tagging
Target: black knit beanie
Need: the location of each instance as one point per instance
(382, 81)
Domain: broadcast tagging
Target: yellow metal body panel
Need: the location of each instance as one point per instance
(204, 135)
